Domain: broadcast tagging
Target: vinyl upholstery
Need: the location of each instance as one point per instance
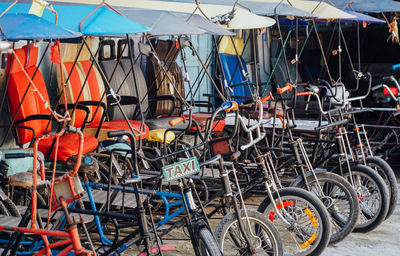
(33, 104)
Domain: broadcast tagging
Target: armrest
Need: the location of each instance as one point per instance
(77, 106)
(26, 128)
(34, 117)
(171, 98)
(204, 104)
(163, 97)
(93, 103)
(72, 106)
(124, 100)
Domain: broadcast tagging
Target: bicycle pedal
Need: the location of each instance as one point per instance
(164, 247)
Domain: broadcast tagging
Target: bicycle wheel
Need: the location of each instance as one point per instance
(372, 194)
(3, 209)
(305, 228)
(387, 173)
(340, 200)
(262, 234)
(207, 243)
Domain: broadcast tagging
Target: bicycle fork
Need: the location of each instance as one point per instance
(193, 224)
(229, 194)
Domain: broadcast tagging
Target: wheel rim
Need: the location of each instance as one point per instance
(336, 202)
(304, 232)
(369, 196)
(233, 243)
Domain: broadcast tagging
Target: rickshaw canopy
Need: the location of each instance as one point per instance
(371, 6)
(28, 26)
(260, 8)
(102, 22)
(172, 23)
(320, 9)
(240, 18)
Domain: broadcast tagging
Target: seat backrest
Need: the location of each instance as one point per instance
(160, 83)
(31, 104)
(122, 81)
(234, 74)
(136, 77)
(82, 74)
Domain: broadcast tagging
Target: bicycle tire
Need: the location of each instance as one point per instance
(262, 224)
(370, 178)
(3, 209)
(299, 201)
(208, 245)
(11, 207)
(387, 173)
(340, 197)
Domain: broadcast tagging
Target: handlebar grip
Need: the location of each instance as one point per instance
(387, 77)
(303, 93)
(288, 87)
(234, 107)
(71, 129)
(131, 180)
(119, 133)
(176, 121)
(266, 98)
(17, 155)
(230, 106)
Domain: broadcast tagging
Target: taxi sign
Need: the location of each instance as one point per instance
(181, 169)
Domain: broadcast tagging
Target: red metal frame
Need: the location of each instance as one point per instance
(72, 239)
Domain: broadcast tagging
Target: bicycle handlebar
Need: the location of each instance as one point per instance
(229, 106)
(368, 91)
(391, 78)
(120, 133)
(379, 86)
(344, 101)
(18, 155)
(306, 93)
(257, 125)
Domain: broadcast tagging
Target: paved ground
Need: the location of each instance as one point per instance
(383, 241)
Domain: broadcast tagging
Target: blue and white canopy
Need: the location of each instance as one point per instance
(102, 22)
(28, 26)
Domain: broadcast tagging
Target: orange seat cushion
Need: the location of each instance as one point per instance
(32, 103)
(117, 125)
(201, 119)
(95, 87)
(68, 146)
(73, 90)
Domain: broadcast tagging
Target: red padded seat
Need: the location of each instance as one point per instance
(93, 90)
(32, 104)
(68, 146)
(201, 118)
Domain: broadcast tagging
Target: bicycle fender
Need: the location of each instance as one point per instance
(199, 225)
(299, 179)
